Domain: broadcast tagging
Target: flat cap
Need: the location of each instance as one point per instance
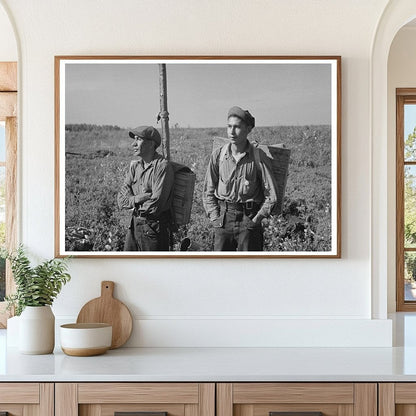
(243, 114)
(147, 133)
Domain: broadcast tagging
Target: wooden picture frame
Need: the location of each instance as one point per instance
(296, 101)
(8, 119)
(405, 286)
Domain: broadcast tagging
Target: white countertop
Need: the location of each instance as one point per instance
(215, 364)
(221, 364)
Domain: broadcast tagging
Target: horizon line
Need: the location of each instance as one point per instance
(194, 127)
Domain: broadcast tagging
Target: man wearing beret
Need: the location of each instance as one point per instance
(147, 191)
(239, 188)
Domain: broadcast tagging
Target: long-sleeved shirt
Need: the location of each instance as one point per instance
(148, 188)
(242, 181)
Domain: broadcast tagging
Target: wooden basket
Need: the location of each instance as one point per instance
(280, 158)
(183, 192)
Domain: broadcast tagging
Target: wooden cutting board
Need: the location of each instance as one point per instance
(108, 310)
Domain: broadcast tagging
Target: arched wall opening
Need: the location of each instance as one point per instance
(401, 74)
(396, 15)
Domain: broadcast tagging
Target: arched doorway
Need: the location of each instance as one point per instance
(401, 99)
(396, 15)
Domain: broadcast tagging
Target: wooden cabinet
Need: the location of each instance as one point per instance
(27, 399)
(105, 399)
(397, 399)
(221, 399)
(208, 399)
(264, 399)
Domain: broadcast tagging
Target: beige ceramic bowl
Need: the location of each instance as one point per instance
(84, 340)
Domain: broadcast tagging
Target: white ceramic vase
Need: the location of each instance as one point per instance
(37, 330)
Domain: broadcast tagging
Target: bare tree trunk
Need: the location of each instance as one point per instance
(164, 115)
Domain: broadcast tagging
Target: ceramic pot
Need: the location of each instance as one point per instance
(83, 340)
(37, 330)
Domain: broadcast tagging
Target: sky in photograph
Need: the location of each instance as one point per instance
(199, 95)
(409, 119)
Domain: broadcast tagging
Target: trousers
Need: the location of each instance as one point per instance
(147, 235)
(237, 233)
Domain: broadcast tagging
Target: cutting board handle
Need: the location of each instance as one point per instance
(107, 289)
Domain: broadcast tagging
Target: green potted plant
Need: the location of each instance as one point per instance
(36, 289)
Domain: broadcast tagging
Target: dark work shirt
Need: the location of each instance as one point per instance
(148, 188)
(241, 181)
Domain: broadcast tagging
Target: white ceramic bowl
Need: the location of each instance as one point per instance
(85, 339)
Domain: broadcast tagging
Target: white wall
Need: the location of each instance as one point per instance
(401, 74)
(206, 301)
(8, 46)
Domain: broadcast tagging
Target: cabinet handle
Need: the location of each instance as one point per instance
(295, 413)
(138, 414)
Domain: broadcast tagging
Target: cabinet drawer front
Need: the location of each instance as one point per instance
(138, 393)
(284, 409)
(405, 393)
(112, 409)
(19, 393)
(341, 393)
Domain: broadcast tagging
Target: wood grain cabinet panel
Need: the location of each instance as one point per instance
(331, 399)
(105, 399)
(397, 399)
(208, 399)
(27, 399)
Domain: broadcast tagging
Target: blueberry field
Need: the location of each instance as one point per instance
(97, 158)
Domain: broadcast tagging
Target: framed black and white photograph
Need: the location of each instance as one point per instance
(198, 156)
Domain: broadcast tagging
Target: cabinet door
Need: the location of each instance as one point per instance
(297, 399)
(142, 399)
(26, 399)
(397, 399)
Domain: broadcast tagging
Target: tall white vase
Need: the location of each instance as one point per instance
(37, 330)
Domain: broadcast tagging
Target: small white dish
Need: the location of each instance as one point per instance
(83, 340)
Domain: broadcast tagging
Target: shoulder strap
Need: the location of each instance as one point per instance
(257, 156)
(256, 153)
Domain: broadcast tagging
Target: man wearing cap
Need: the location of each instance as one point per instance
(239, 188)
(147, 191)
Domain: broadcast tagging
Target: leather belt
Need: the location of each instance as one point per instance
(240, 206)
(164, 216)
